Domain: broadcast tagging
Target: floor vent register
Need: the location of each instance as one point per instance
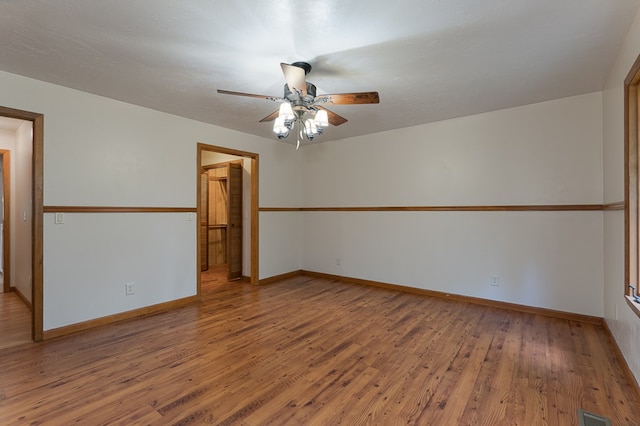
(589, 419)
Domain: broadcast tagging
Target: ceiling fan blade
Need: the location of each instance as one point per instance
(295, 78)
(350, 98)
(334, 119)
(271, 116)
(250, 95)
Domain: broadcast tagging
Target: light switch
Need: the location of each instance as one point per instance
(59, 218)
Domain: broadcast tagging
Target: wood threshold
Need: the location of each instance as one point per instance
(117, 209)
(570, 316)
(147, 310)
(480, 208)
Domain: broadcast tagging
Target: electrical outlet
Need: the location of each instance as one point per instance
(495, 281)
(129, 289)
(338, 261)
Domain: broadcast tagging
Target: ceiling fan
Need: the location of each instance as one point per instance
(301, 106)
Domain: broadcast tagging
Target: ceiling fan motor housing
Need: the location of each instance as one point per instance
(304, 65)
(297, 100)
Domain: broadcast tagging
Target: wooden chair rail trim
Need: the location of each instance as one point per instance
(621, 360)
(619, 205)
(147, 310)
(540, 207)
(570, 316)
(117, 209)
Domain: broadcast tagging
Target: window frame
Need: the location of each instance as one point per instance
(632, 184)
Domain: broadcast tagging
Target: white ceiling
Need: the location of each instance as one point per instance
(429, 59)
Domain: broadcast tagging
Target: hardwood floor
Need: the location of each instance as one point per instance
(312, 351)
(15, 321)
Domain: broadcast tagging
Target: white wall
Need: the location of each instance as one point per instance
(546, 153)
(624, 324)
(86, 268)
(23, 212)
(101, 152)
(282, 187)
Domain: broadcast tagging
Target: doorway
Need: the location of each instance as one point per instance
(29, 208)
(221, 226)
(247, 228)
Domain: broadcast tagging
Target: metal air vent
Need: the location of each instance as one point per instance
(589, 419)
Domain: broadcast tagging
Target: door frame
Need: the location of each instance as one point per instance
(6, 230)
(37, 214)
(254, 245)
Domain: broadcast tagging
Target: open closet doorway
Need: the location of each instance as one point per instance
(21, 148)
(227, 212)
(222, 213)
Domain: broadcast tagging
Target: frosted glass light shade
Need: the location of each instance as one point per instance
(321, 118)
(280, 128)
(286, 113)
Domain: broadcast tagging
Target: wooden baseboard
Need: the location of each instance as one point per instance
(147, 310)
(280, 277)
(621, 360)
(21, 296)
(475, 300)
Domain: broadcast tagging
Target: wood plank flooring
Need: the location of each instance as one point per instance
(15, 321)
(312, 351)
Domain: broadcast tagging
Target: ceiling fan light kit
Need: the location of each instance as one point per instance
(300, 105)
(309, 127)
